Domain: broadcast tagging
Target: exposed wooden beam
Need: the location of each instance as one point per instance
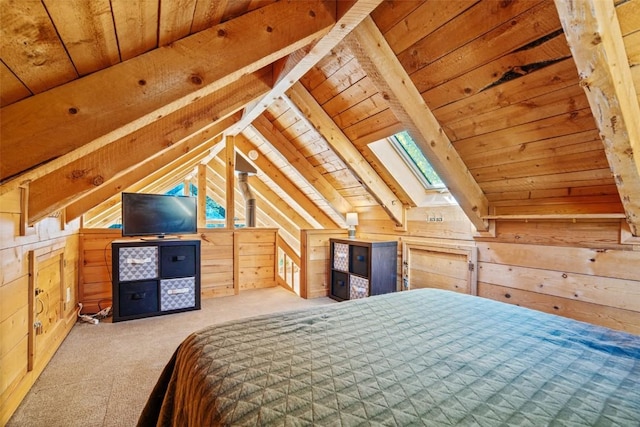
(173, 133)
(298, 63)
(596, 43)
(279, 142)
(309, 109)
(244, 146)
(216, 187)
(285, 211)
(139, 180)
(65, 123)
(230, 180)
(202, 195)
(378, 60)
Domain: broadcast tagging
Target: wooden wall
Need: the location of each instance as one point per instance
(255, 250)
(41, 259)
(578, 268)
(314, 253)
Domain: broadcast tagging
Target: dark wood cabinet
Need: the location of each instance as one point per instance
(361, 268)
(155, 277)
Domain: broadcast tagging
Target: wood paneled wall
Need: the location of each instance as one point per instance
(41, 260)
(314, 253)
(254, 249)
(578, 268)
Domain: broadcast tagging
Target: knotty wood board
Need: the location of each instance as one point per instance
(624, 320)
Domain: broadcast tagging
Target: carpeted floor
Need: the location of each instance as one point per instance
(102, 374)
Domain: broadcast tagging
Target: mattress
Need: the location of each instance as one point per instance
(422, 357)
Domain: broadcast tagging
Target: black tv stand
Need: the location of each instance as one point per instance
(155, 277)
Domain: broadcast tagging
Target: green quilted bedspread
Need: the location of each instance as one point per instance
(424, 357)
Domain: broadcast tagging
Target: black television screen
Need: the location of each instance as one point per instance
(158, 214)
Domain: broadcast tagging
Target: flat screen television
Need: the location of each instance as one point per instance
(158, 215)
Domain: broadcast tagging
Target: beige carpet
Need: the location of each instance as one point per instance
(102, 374)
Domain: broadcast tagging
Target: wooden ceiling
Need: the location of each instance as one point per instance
(526, 109)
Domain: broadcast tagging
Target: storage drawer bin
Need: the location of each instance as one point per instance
(138, 263)
(340, 285)
(177, 293)
(177, 261)
(359, 260)
(341, 256)
(359, 287)
(138, 298)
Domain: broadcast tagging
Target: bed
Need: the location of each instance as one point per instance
(422, 357)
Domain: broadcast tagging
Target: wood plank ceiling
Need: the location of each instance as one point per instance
(104, 96)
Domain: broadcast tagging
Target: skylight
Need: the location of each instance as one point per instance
(419, 164)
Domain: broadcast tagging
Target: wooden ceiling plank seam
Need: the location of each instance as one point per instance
(557, 76)
(47, 63)
(629, 16)
(390, 13)
(551, 127)
(595, 39)
(326, 67)
(483, 79)
(87, 31)
(348, 74)
(537, 150)
(426, 19)
(300, 62)
(11, 88)
(318, 119)
(542, 182)
(536, 22)
(244, 146)
(207, 14)
(175, 20)
(65, 122)
(172, 133)
(378, 126)
(136, 24)
(278, 142)
(378, 59)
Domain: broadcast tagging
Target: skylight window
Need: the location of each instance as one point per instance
(418, 163)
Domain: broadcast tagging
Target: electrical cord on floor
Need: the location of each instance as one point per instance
(93, 318)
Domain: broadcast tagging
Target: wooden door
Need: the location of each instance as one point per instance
(442, 266)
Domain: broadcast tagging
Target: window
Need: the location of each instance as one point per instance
(404, 160)
(411, 153)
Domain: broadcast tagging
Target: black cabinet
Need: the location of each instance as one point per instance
(361, 268)
(155, 277)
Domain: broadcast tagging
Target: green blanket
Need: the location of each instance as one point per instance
(424, 357)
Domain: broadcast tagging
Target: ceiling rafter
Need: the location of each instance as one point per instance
(141, 180)
(267, 211)
(298, 63)
(244, 146)
(63, 124)
(595, 39)
(279, 142)
(268, 194)
(309, 109)
(380, 63)
(147, 172)
(173, 133)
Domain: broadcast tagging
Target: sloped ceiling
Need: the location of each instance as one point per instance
(526, 109)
